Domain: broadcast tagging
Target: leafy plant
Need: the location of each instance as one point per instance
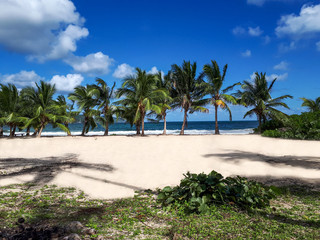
(198, 192)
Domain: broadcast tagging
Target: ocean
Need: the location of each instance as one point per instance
(193, 128)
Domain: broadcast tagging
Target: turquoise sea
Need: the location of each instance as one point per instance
(194, 127)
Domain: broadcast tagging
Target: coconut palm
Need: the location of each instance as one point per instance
(105, 95)
(47, 110)
(11, 107)
(67, 111)
(312, 105)
(213, 88)
(141, 90)
(257, 94)
(187, 90)
(84, 97)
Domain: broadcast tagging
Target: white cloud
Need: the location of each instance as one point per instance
(318, 46)
(123, 70)
(93, 64)
(287, 47)
(283, 65)
(41, 29)
(271, 77)
(256, 2)
(238, 31)
(66, 83)
(266, 39)
(21, 79)
(246, 53)
(307, 22)
(255, 32)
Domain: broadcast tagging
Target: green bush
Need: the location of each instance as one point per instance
(197, 192)
(272, 124)
(303, 126)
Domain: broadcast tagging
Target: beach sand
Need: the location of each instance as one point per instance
(116, 166)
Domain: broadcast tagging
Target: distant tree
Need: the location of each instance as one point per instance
(141, 90)
(187, 90)
(84, 97)
(213, 88)
(105, 94)
(257, 94)
(312, 105)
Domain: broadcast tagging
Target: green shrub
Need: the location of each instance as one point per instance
(272, 133)
(197, 192)
(272, 124)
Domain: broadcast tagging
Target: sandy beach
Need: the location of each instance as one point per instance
(115, 166)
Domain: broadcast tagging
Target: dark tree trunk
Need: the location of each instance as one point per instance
(28, 131)
(259, 127)
(142, 123)
(184, 121)
(107, 128)
(1, 131)
(84, 126)
(11, 132)
(164, 124)
(138, 128)
(216, 120)
(14, 130)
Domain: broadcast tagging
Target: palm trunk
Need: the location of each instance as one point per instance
(216, 119)
(1, 131)
(184, 121)
(14, 130)
(84, 126)
(164, 124)
(259, 127)
(67, 126)
(28, 131)
(11, 132)
(107, 129)
(138, 128)
(40, 131)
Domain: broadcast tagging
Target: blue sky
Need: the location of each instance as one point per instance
(72, 42)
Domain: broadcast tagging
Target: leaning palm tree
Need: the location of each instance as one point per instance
(105, 95)
(257, 94)
(11, 107)
(213, 88)
(312, 105)
(141, 90)
(187, 90)
(47, 110)
(84, 97)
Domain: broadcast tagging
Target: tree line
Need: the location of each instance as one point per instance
(141, 96)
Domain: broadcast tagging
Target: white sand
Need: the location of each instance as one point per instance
(116, 166)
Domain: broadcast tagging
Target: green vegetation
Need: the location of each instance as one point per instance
(294, 214)
(198, 192)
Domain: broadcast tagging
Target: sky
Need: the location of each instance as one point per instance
(69, 43)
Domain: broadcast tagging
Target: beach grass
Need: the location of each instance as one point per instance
(294, 214)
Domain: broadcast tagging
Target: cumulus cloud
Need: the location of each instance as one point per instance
(238, 30)
(66, 83)
(21, 79)
(246, 53)
(307, 22)
(123, 70)
(255, 32)
(93, 64)
(41, 29)
(283, 65)
(283, 47)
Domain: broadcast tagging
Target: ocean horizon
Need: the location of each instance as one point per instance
(151, 128)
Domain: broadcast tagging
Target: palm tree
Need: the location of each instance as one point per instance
(141, 90)
(84, 97)
(105, 95)
(187, 90)
(47, 110)
(66, 110)
(11, 107)
(213, 88)
(165, 83)
(313, 106)
(258, 95)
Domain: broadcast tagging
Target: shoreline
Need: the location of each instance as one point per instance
(115, 166)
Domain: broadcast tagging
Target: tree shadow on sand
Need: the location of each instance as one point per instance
(45, 169)
(236, 156)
